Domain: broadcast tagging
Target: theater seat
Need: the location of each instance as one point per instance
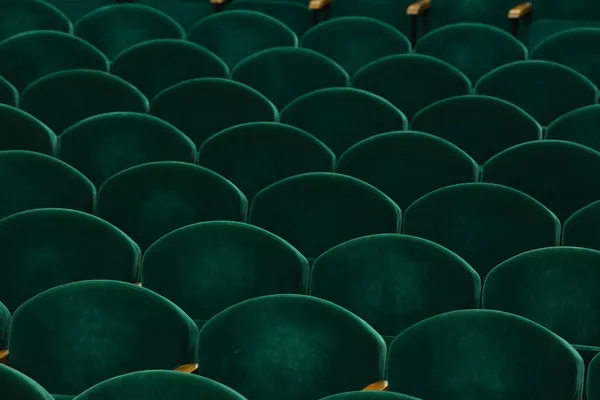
(22, 16)
(21, 131)
(578, 126)
(295, 14)
(15, 385)
(8, 93)
(582, 228)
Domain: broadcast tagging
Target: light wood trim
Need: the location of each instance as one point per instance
(138, 284)
(218, 2)
(518, 12)
(380, 386)
(419, 7)
(4, 357)
(187, 368)
(316, 5)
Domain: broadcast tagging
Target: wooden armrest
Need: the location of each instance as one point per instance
(316, 5)
(187, 368)
(4, 357)
(138, 284)
(518, 12)
(218, 2)
(419, 7)
(380, 386)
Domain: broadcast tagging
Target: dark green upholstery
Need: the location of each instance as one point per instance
(561, 175)
(483, 354)
(408, 165)
(80, 334)
(319, 210)
(31, 180)
(205, 106)
(255, 155)
(58, 102)
(394, 281)
(475, 49)
(21, 16)
(31, 55)
(21, 131)
(205, 268)
(489, 12)
(75, 9)
(544, 89)
(543, 29)
(283, 74)
(4, 327)
(342, 117)
(412, 81)
(185, 12)
(294, 14)
(582, 228)
(579, 126)
(8, 93)
(159, 385)
(480, 125)
(290, 347)
(593, 379)
(392, 12)
(106, 144)
(16, 386)
(158, 64)
(151, 200)
(483, 223)
(115, 28)
(237, 34)
(369, 395)
(58, 246)
(354, 42)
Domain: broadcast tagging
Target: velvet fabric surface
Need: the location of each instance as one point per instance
(185, 12)
(293, 13)
(542, 29)
(582, 228)
(21, 131)
(8, 93)
(392, 12)
(369, 395)
(490, 12)
(290, 347)
(579, 126)
(15, 385)
(4, 325)
(23, 16)
(593, 379)
(76, 9)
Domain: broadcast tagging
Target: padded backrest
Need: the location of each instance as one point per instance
(75, 9)
(560, 175)
(21, 131)
(475, 49)
(4, 325)
(158, 64)
(15, 385)
(593, 379)
(257, 154)
(412, 81)
(413, 278)
(313, 349)
(354, 42)
(480, 125)
(285, 73)
(8, 93)
(408, 165)
(544, 89)
(483, 354)
(579, 126)
(115, 28)
(369, 395)
(31, 180)
(31, 55)
(69, 246)
(207, 267)
(57, 99)
(202, 107)
(342, 117)
(237, 34)
(103, 145)
(581, 10)
(483, 223)
(185, 12)
(317, 211)
(294, 14)
(489, 12)
(151, 200)
(109, 327)
(22, 16)
(392, 12)
(582, 228)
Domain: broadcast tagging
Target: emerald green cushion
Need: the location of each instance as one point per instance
(80, 334)
(579, 126)
(103, 145)
(290, 347)
(237, 34)
(21, 131)
(582, 227)
(543, 29)
(369, 395)
(489, 12)
(593, 379)
(483, 354)
(8, 93)
(483, 223)
(392, 12)
(15, 385)
(257, 154)
(294, 15)
(4, 325)
(22, 16)
(75, 9)
(205, 106)
(205, 268)
(185, 12)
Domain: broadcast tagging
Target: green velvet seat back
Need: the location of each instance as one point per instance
(106, 144)
(290, 347)
(579, 126)
(561, 175)
(237, 34)
(489, 12)
(542, 29)
(484, 223)
(369, 395)
(582, 228)
(593, 379)
(58, 246)
(317, 211)
(8, 93)
(544, 89)
(342, 117)
(151, 200)
(412, 81)
(408, 165)
(15, 385)
(258, 154)
(205, 106)
(159, 385)
(483, 354)
(480, 125)
(21, 131)
(354, 42)
(115, 28)
(22, 16)
(475, 49)
(294, 15)
(185, 12)
(4, 325)
(62, 99)
(394, 281)
(158, 64)
(105, 328)
(30, 180)
(31, 55)
(392, 12)
(205, 268)
(76, 9)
